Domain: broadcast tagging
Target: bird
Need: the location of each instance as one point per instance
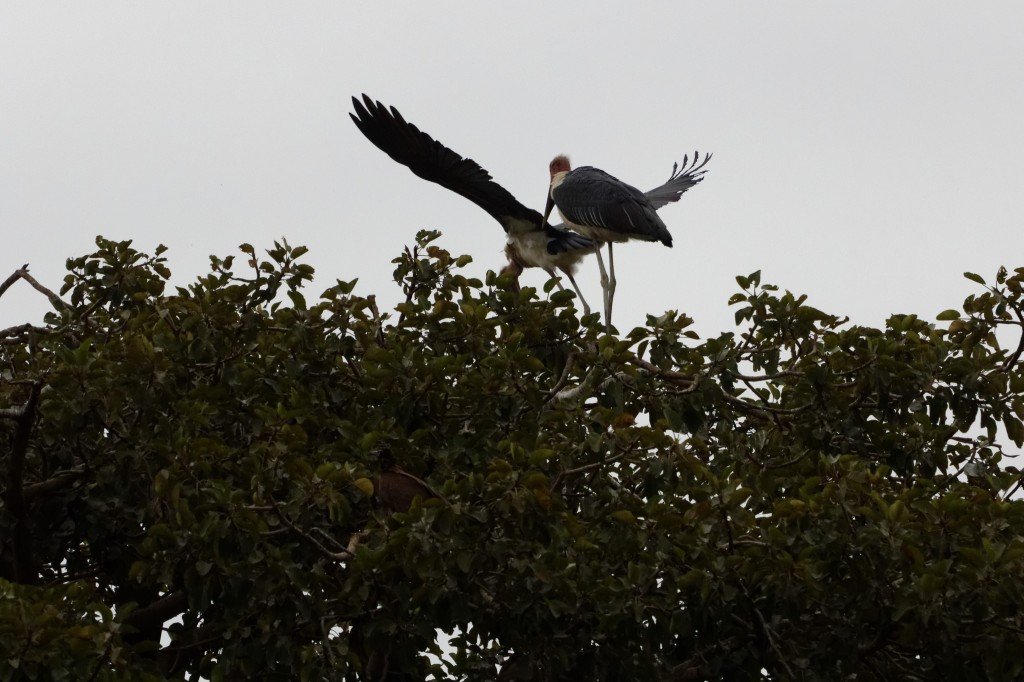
(530, 241)
(396, 488)
(607, 210)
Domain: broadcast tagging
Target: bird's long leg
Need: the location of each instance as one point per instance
(604, 288)
(553, 275)
(576, 288)
(611, 282)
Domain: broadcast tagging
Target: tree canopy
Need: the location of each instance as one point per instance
(194, 482)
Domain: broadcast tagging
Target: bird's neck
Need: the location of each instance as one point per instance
(557, 178)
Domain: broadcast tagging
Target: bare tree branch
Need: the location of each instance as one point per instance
(766, 377)
(55, 300)
(585, 388)
(59, 481)
(334, 556)
(174, 658)
(1012, 360)
(15, 276)
(159, 612)
(13, 413)
(679, 378)
(19, 329)
(769, 634)
(560, 384)
(22, 273)
(586, 467)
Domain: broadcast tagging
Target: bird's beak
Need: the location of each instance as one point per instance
(547, 210)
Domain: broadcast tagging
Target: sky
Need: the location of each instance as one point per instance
(864, 153)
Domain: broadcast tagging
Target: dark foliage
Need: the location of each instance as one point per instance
(800, 498)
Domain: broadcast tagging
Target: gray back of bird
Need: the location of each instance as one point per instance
(588, 196)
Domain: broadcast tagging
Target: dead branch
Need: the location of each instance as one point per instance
(667, 374)
(333, 556)
(584, 390)
(22, 273)
(159, 612)
(586, 467)
(59, 481)
(1012, 360)
(19, 329)
(564, 377)
(15, 276)
(766, 377)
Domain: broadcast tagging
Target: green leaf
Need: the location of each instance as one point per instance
(542, 455)
(624, 516)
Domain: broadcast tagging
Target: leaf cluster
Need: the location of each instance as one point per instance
(799, 497)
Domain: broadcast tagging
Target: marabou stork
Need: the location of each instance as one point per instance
(396, 488)
(605, 209)
(531, 242)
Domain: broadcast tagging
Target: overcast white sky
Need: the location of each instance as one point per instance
(866, 154)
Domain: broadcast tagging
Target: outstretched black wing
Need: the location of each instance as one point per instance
(431, 160)
(684, 176)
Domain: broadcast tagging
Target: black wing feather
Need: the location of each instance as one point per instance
(589, 196)
(562, 240)
(431, 160)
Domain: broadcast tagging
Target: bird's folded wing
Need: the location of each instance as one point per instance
(588, 196)
(562, 240)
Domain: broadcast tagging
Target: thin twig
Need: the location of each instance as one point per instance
(725, 519)
(764, 401)
(767, 408)
(1012, 360)
(672, 376)
(766, 377)
(769, 635)
(378, 322)
(586, 467)
(334, 556)
(856, 369)
(90, 572)
(1015, 488)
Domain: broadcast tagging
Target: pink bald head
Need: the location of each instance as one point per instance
(559, 164)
